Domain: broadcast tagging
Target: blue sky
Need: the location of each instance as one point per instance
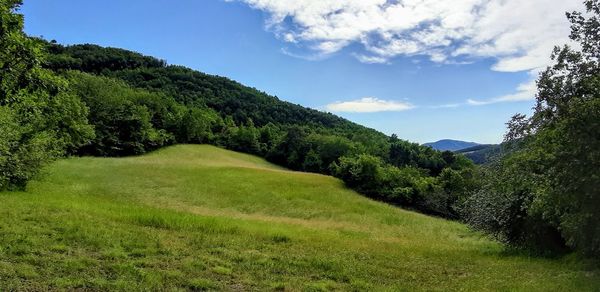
(439, 75)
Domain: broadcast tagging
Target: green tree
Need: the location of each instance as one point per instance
(268, 137)
(292, 148)
(41, 119)
(504, 205)
(566, 124)
(551, 181)
(363, 173)
(329, 148)
(123, 124)
(198, 126)
(22, 152)
(312, 162)
(245, 138)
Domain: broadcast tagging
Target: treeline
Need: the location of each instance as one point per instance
(90, 100)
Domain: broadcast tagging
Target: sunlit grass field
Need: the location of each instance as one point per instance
(202, 218)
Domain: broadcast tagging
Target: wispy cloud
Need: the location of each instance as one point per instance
(449, 105)
(309, 57)
(371, 59)
(525, 91)
(368, 105)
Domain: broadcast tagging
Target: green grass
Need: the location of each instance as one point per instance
(203, 218)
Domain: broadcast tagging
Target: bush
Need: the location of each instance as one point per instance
(22, 154)
(546, 194)
(406, 186)
(507, 206)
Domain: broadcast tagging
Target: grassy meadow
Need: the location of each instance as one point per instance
(202, 218)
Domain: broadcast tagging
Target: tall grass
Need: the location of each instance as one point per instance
(202, 218)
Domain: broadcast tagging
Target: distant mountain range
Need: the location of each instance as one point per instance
(451, 145)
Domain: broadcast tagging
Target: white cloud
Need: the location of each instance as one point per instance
(369, 105)
(446, 106)
(371, 59)
(519, 34)
(525, 91)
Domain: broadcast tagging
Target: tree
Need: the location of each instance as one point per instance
(22, 152)
(245, 138)
(551, 182)
(292, 148)
(123, 124)
(328, 149)
(268, 137)
(504, 205)
(312, 162)
(363, 173)
(198, 125)
(41, 119)
(566, 124)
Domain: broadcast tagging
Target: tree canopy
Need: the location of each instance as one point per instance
(41, 118)
(546, 193)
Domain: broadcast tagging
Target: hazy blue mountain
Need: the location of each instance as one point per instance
(450, 145)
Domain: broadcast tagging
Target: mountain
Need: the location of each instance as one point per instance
(450, 145)
(478, 153)
(200, 218)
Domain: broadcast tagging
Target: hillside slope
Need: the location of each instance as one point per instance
(192, 87)
(482, 154)
(199, 217)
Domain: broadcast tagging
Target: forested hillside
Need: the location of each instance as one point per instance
(191, 87)
(174, 104)
(482, 154)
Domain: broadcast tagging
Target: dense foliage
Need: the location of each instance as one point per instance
(40, 118)
(483, 154)
(546, 193)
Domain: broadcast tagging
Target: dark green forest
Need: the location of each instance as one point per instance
(542, 193)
